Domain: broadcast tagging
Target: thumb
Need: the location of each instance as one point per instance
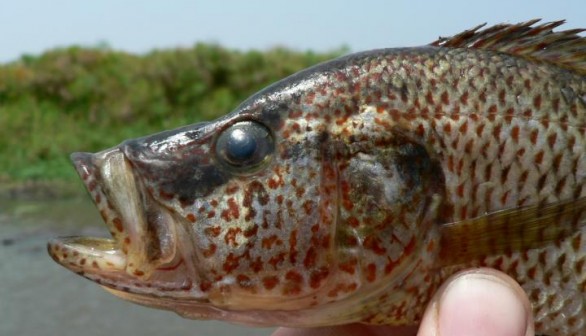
(479, 302)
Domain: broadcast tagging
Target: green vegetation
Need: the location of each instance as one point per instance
(88, 99)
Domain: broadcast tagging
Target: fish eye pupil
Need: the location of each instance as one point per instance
(240, 145)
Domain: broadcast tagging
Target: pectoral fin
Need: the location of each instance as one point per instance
(510, 230)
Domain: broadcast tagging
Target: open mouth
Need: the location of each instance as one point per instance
(143, 236)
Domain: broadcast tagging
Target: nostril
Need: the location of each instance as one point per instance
(84, 164)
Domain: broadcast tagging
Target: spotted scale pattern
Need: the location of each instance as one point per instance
(374, 153)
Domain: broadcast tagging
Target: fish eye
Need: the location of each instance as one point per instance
(245, 146)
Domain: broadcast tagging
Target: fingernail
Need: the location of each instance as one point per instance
(482, 305)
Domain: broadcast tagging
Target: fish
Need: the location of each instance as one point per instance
(349, 191)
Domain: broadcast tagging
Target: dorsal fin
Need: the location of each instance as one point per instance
(538, 42)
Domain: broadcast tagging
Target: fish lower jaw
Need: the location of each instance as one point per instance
(85, 254)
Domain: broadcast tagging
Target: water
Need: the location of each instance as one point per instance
(39, 297)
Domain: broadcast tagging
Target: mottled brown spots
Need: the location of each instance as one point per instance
(317, 276)
(231, 263)
(191, 217)
(211, 214)
(577, 243)
(464, 98)
(555, 104)
(482, 96)
(504, 198)
(515, 133)
(251, 231)
(429, 98)
(502, 95)
(210, 251)
(353, 221)
(92, 185)
(537, 101)
(205, 286)
(118, 224)
(310, 258)
(447, 127)
(232, 212)
(539, 157)
(579, 266)
(347, 204)
(230, 236)
(293, 246)
(469, 146)
(254, 190)
(293, 284)
(551, 139)
(351, 241)
(374, 244)
(308, 206)
(349, 266)
(445, 98)
(268, 242)
(531, 272)
(138, 273)
(496, 131)
(213, 231)
(460, 190)
(533, 136)
(269, 282)
(299, 191)
(231, 189)
(277, 259)
(370, 272)
(257, 265)
(464, 127)
(273, 183)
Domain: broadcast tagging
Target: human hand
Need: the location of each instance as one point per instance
(481, 302)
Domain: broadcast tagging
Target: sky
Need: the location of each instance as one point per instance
(33, 26)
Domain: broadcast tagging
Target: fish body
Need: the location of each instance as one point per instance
(350, 191)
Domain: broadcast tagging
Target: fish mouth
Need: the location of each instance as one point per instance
(143, 235)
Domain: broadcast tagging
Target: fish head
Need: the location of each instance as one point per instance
(249, 218)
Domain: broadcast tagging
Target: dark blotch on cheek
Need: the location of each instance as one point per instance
(190, 183)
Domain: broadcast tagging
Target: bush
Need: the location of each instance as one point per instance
(88, 99)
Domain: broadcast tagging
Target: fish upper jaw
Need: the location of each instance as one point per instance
(143, 236)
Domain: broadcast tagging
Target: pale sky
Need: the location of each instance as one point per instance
(32, 26)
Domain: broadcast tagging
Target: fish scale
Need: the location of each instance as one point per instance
(350, 191)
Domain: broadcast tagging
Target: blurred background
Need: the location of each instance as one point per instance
(84, 76)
